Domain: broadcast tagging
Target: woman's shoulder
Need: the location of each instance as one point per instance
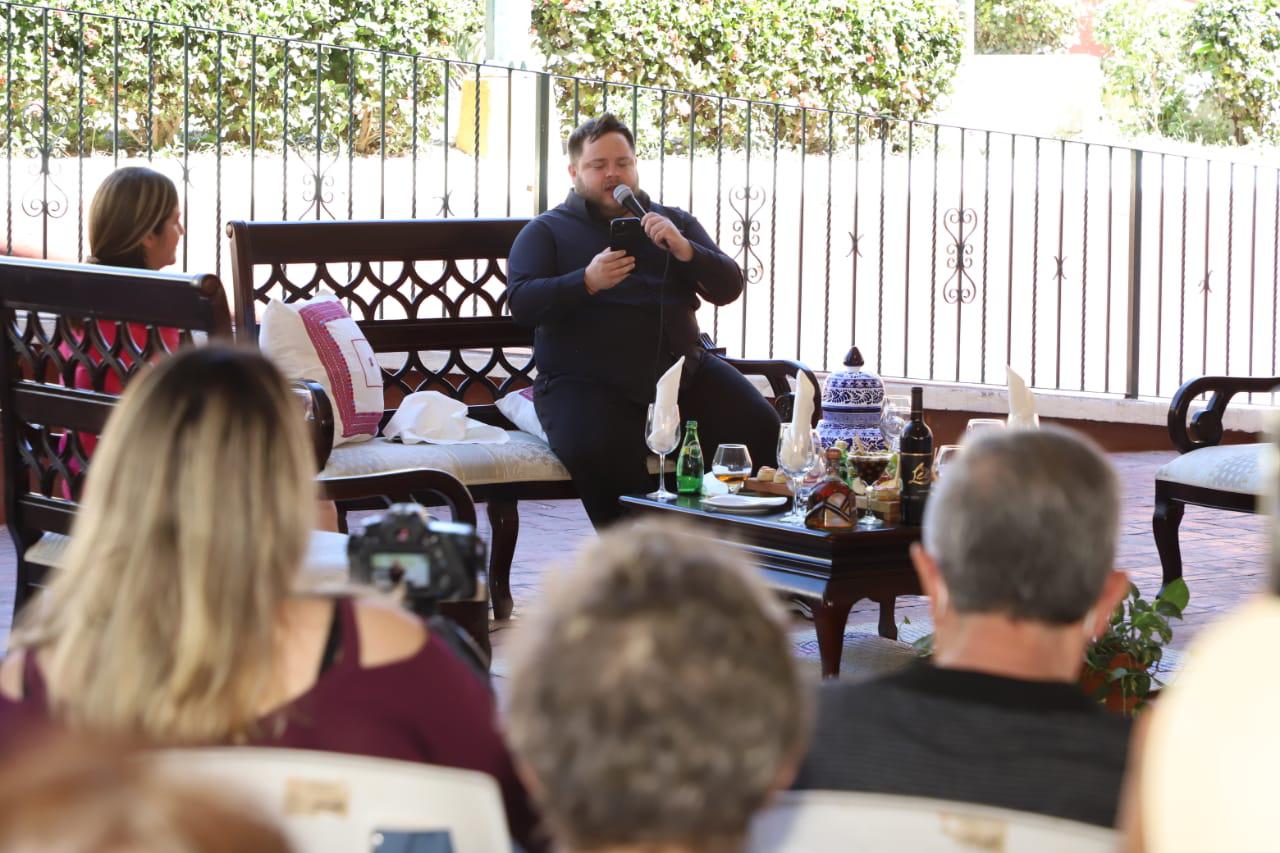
(388, 633)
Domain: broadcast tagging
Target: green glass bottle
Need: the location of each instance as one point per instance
(689, 465)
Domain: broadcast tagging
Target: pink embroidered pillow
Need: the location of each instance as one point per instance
(517, 407)
(317, 339)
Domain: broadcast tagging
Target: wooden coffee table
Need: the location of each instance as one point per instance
(833, 570)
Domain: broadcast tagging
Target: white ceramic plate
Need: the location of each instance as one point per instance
(743, 503)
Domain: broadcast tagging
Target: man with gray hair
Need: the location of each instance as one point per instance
(654, 703)
(1017, 561)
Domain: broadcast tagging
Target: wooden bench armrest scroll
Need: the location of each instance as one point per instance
(1205, 428)
(778, 372)
(319, 417)
(406, 487)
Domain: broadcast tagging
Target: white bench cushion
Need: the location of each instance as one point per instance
(522, 459)
(1235, 468)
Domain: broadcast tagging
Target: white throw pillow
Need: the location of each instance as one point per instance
(517, 407)
(317, 339)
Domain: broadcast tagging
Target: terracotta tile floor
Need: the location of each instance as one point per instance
(1224, 553)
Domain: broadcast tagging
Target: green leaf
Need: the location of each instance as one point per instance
(1175, 594)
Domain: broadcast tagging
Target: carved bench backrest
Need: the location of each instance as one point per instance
(104, 325)
(429, 295)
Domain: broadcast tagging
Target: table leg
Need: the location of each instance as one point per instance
(829, 619)
(888, 627)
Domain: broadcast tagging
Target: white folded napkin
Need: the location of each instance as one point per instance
(800, 447)
(802, 411)
(433, 418)
(666, 406)
(1022, 405)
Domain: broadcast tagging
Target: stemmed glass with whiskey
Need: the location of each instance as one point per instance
(732, 466)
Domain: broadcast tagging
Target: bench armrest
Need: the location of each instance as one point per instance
(778, 372)
(1205, 428)
(406, 487)
(319, 417)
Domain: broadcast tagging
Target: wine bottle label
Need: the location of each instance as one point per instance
(916, 473)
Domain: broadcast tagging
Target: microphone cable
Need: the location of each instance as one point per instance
(662, 288)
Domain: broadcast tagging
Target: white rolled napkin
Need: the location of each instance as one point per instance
(802, 411)
(800, 448)
(430, 417)
(666, 399)
(1022, 405)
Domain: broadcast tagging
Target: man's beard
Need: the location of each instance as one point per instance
(604, 201)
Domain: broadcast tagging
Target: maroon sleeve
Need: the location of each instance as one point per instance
(459, 728)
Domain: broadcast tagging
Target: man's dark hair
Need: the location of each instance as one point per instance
(592, 129)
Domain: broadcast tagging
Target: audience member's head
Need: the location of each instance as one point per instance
(135, 220)
(1020, 532)
(654, 700)
(194, 523)
(69, 795)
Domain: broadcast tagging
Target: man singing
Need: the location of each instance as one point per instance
(608, 323)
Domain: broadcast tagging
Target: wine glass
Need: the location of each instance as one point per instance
(870, 467)
(662, 435)
(981, 425)
(732, 466)
(812, 476)
(893, 419)
(796, 450)
(945, 455)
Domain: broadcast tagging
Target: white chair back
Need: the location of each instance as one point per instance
(334, 803)
(824, 821)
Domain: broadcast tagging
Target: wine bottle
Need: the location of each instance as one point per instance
(915, 461)
(689, 465)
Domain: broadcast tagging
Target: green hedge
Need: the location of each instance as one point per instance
(1026, 26)
(1209, 73)
(133, 54)
(895, 57)
(1235, 45)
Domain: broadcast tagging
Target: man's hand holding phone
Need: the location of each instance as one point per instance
(608, 269)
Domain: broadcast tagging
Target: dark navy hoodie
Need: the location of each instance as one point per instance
(613, 336)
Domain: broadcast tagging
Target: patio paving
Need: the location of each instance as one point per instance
(1224, 554)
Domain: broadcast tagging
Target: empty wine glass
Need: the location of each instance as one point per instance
(980, 425)
(732, 466)
(893, 419)
(662, 435)
(945, 455)
(796, 450)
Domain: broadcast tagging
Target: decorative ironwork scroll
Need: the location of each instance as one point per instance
(746, 230)
(959, 286)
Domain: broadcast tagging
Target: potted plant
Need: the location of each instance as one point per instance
(1121, 668)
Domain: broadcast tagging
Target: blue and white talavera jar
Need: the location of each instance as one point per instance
(852, 399)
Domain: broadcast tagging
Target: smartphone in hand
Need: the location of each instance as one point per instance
(626, 233)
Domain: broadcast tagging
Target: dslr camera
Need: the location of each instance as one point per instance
(427, 563)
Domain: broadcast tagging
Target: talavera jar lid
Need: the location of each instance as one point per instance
(851, 402)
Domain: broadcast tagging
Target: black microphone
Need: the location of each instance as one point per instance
(623, 195)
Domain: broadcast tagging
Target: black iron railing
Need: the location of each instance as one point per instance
(946, 252)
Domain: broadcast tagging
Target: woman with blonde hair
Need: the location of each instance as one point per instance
(175, 619)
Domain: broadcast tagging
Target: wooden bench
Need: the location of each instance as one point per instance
(1232, 477)
(42, 305)
(430, 296)
(53, 314)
